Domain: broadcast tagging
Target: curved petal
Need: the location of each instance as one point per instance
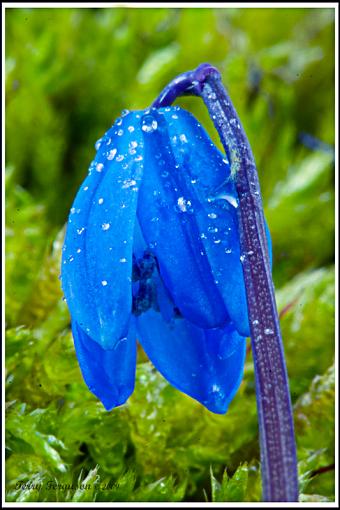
(109, 374)
(97, 253)
(207, 365)
(170, 229)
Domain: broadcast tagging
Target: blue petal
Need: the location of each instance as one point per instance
(170, 229)
(207, 365)
(109, 374)
(97, 254)
(206, 178)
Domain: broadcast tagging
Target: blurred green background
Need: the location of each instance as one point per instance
(69, 73)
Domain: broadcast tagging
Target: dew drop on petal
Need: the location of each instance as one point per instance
(99, 167)
(149, 124)
(128, 183)
(104, 283)
(100, 201)
(212, 229)
(182, 204)
(112, 154)
(105, 226)
(98, 144)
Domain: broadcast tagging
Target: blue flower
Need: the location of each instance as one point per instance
(152, 253)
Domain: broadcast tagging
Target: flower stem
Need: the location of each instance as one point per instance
(276, 429)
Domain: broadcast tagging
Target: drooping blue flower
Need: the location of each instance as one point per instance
(152, 253)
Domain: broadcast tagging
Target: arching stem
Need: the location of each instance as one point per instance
(276, 429)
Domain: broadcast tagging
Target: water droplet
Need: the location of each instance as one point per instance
(86, 188)
(203, 236)
(119, 158)
(212, 229)
(139, 158)
(174, 116)
(100, 201)
(242, 258)
(106, 226)
(120, 132)
(131, 129)
(79, 250)
(109, 141)
(229, 198)
(149, 124)
(133, 144)
(98, 144)
(217, 241)
(71, 259)
(80, 230)
(193, 181)
(228, 250)
(128, 183)
(99, 167)
(112, 154)
(215, 388)
(213, 216)
(73, 210)
(104, 283)
(255, 322)
(125, 113)
(183, 204)
(123, 260)
(268, 331)
(183, 138)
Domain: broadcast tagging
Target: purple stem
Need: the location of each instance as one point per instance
(277, 441)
